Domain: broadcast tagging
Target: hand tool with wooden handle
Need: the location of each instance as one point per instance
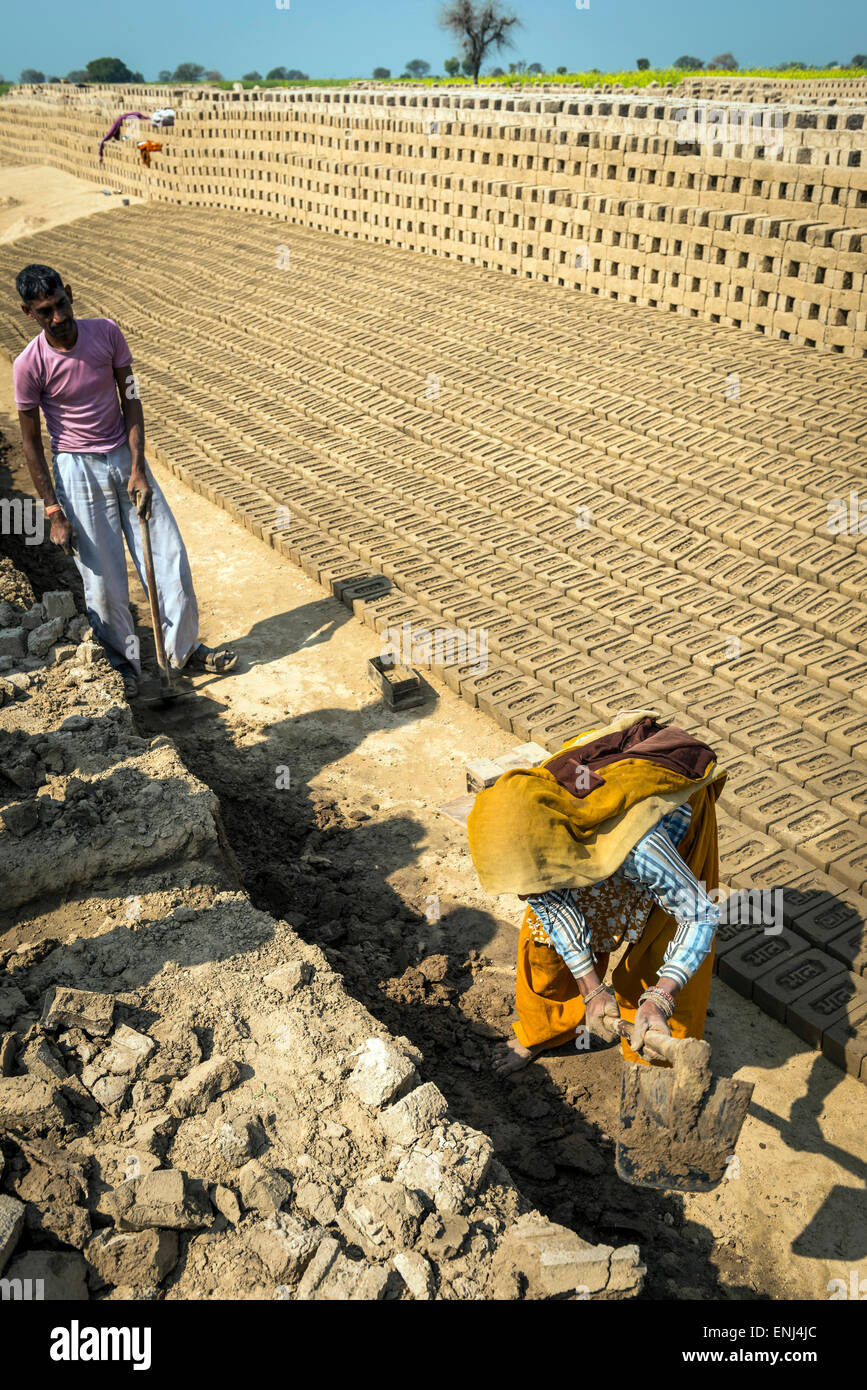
(167, 691)
(678, 1126)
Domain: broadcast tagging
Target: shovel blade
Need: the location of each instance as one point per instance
(662, 1147)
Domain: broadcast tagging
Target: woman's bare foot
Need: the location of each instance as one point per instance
(510, 1056)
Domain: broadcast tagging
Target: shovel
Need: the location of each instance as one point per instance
(168, 694)
(678, 1126)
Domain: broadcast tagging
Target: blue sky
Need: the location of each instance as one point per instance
(343, 38)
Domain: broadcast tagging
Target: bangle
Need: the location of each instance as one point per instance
(55, 507)
(656, 996)
(600, 989)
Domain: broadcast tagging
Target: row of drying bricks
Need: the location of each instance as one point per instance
(519, 704)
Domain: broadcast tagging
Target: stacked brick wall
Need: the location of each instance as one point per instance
(744, 215)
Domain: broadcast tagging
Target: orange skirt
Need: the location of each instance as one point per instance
(549, 1005)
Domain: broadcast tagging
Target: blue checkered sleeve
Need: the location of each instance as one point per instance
(567, 929)
(657, 867)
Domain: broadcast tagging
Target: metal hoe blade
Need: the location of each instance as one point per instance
(679, 1127)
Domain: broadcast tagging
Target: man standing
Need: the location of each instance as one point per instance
(74, 370)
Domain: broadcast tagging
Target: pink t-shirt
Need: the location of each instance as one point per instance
(76, 389)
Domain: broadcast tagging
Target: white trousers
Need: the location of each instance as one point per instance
(92, 489)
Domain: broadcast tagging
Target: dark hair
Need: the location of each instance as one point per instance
(37, 282)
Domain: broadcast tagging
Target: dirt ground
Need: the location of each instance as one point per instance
(34, 197)
(357, 832)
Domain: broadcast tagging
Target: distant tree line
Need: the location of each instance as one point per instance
(726, 62)
(114, 70)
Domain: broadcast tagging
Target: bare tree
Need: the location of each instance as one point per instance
(479, 30)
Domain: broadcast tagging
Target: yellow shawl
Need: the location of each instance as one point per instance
(528, 834)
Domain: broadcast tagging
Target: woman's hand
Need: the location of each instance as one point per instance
(649, 1017)
(602, 1015)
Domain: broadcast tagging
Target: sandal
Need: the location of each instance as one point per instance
(215, 660)
(130, 687)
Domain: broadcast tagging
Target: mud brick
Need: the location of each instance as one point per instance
(837, 998)
(745, 852)
(610, 697)
(482, 773)
(754, 906)
(834, 777)
(529, 656)
(792, 816)
(542, 606)
(753, 671)
(754, 790)
(823, 909)
(792, 645)
(652, 622)
(728, 716)
(315, 559)
(563, 668)
(363, 587)
(744, 964)
(528, 712)
(743, 769)
(851, 734)
(781, 870)
(449, 591)
(778, 988)
(516, 594)
(491, 693)
(788, 752)
(845, 1043)
(839, 669)
(470, 613)
(827, 715)
(684, 638)
(850, 625)
(624, 654)
(522, 755)
(551, 619)
(574, 686)
(665, 674)
(379, 611)
(534, 721)
(555, 732)
(842, 852)
(729, 936)
(805, 759)
(457, 673)
(850, 945)
(399, 611)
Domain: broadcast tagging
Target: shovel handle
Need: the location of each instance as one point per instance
(662, 1043)
(153, 597)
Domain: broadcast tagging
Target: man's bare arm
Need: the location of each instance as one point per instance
(34, 453)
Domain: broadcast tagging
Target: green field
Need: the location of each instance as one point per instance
(627, 78)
